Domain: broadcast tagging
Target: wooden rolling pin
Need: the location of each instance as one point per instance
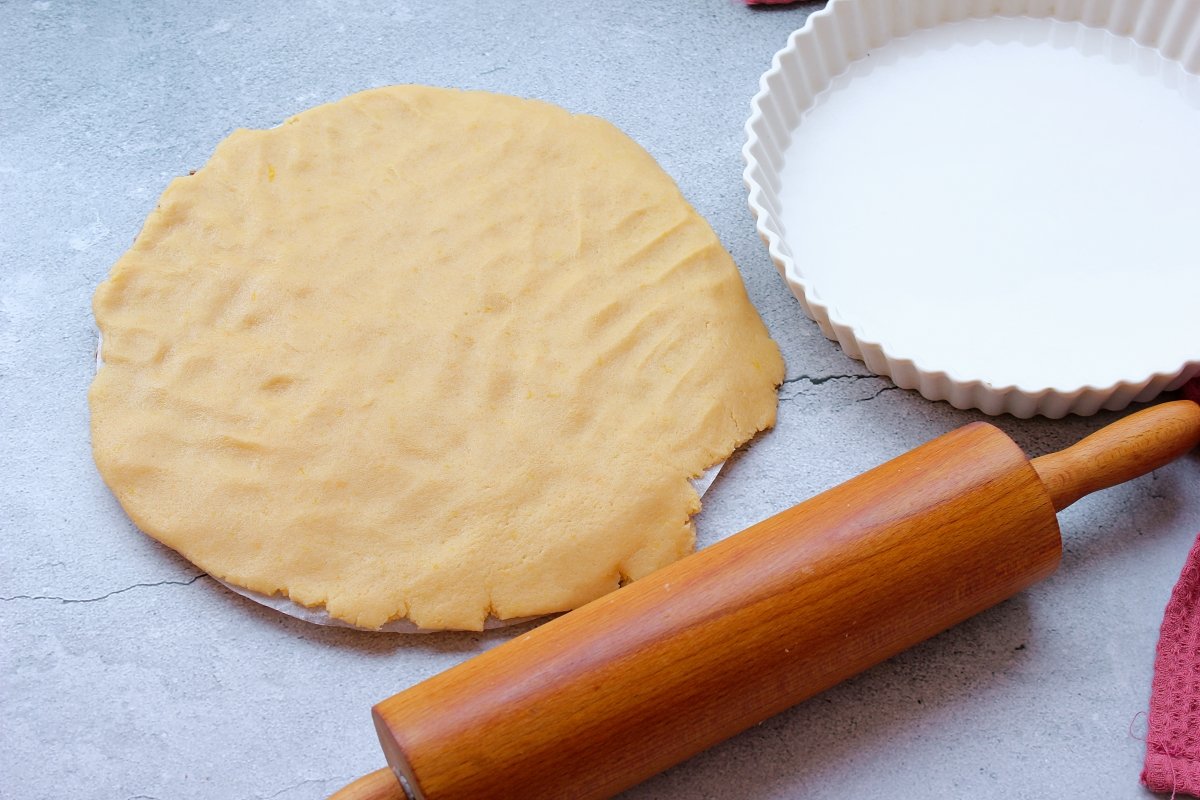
(602, 698)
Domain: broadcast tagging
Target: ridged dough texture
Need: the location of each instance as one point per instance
(426, 353)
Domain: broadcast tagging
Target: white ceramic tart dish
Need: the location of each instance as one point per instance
(993, 202)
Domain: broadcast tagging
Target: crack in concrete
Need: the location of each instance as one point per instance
(305, 782)
(881, 391)
(188, 582)
(817, 380)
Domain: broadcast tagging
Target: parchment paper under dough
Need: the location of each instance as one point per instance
(425, 354)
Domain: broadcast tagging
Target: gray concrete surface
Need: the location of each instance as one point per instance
(124, 674)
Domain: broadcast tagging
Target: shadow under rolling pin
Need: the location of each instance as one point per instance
(601, 698)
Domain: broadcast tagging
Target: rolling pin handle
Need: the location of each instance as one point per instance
(1126, 449)
(379, 785)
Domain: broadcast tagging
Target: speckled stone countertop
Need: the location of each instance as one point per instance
(126, 674)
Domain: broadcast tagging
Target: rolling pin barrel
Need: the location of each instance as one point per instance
(598, 700)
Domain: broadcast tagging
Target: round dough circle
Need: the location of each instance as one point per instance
(425, 353)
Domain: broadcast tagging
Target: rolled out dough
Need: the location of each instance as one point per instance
(425, 353)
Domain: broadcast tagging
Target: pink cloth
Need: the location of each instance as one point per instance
(1173, 740)
(1191, 390)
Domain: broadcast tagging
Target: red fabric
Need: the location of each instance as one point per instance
(1191, 390)
(1173, 740)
